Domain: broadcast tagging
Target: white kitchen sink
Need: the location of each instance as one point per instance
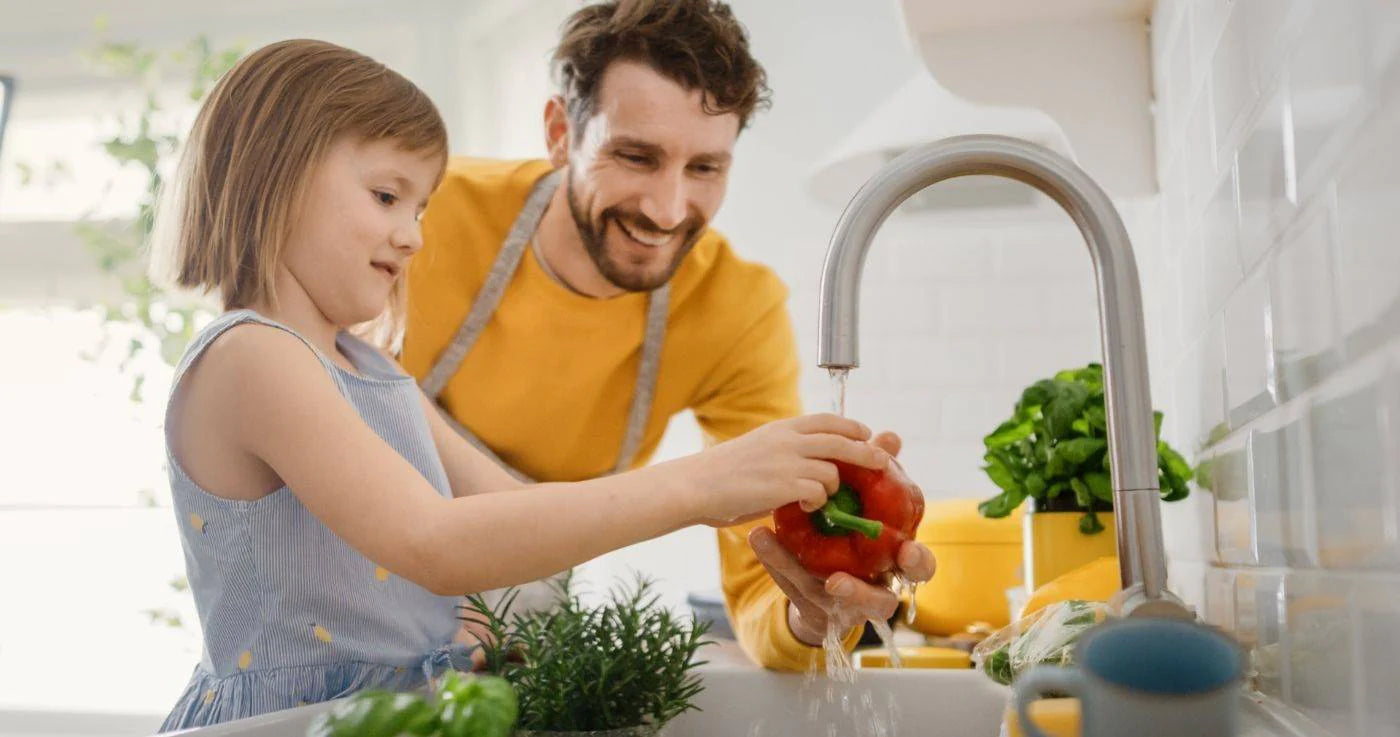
(882, 703)
(741, 700)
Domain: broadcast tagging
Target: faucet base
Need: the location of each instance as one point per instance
(1133, 602)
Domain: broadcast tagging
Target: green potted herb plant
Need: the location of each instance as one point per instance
(620, 669)
(1054, 452)
(461, 705)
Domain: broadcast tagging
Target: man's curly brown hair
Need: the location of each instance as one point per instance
(696, 43)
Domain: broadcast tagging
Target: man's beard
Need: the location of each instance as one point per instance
(594, 237)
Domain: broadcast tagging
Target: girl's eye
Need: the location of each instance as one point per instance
(385, 198)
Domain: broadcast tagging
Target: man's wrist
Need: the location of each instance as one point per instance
(802, 629)
(675, 479)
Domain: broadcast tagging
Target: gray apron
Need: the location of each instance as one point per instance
(539, 593)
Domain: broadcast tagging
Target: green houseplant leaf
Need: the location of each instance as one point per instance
(1054, 447)
(476, 706)
(464, 706)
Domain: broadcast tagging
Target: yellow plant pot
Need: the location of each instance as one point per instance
(1055, 546)
(978, 560)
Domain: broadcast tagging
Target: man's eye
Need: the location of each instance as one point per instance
(634, 158)
(385, 198)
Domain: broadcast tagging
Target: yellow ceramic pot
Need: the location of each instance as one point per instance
(978, 560)
(1055, 546)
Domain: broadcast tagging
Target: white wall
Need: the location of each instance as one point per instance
(1278, 127)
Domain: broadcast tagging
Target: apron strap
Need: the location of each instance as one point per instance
(507, 261)
(658, 306)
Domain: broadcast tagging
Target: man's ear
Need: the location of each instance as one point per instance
(557, 131)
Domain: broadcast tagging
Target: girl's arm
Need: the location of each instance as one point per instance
(283, 409)
(469, 471)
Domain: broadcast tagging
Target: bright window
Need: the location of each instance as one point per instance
(85, 525)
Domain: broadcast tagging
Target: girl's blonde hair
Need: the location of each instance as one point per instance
(226, 215)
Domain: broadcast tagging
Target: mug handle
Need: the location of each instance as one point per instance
(1033, 684)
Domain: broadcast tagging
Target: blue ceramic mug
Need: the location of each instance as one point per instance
(1145, 677)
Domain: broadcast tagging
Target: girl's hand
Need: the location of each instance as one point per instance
(781, 462)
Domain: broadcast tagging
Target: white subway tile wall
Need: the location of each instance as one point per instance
(1249, 390)
(1265, 181)
(1278, 125)
(1303, 307)
(1317, 659)
(1227, 474)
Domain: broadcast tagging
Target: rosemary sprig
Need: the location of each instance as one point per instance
(625, 663)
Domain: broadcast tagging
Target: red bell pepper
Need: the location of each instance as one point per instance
(860, 529)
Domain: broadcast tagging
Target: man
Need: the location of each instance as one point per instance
(562, 311)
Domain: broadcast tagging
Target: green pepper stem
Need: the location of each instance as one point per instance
(845, 520)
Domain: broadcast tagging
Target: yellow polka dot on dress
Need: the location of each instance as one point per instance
(198, 523)
(321, 633)
(209, 697)
(381, 573)
(245, 660)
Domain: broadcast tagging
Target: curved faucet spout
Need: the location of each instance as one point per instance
(1131, 435)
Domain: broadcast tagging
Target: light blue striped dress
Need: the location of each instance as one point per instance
(290, 613)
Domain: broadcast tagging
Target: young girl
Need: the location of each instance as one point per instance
(330, 518)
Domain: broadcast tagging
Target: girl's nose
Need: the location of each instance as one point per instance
(408, 238)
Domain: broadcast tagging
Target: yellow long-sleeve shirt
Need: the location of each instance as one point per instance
(550, 380)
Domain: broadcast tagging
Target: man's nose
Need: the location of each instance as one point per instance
(665, 201)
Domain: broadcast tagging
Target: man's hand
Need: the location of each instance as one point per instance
(843, 599)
